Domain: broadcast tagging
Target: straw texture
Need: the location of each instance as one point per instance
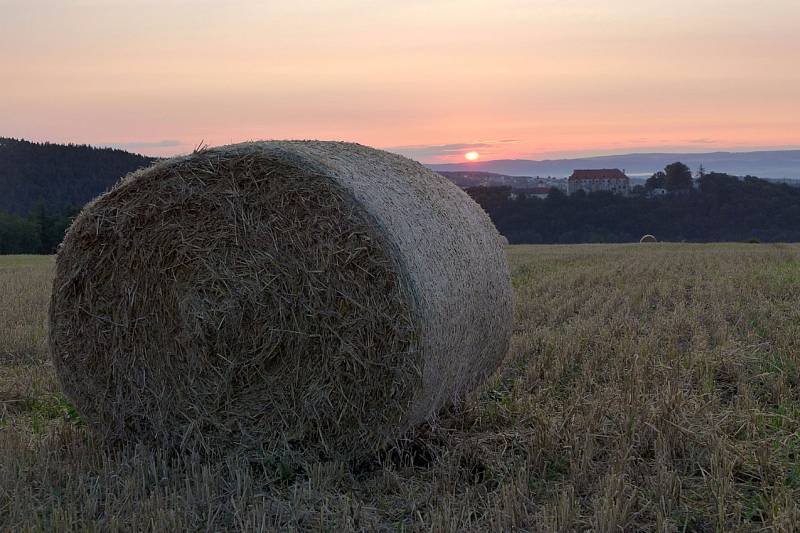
(275, 294)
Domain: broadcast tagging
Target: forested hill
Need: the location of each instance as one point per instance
(57, 176)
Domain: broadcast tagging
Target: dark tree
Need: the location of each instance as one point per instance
(490, 196)
(677, 176)
(656, 181)
(556, 196)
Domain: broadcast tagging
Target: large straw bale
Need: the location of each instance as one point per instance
(647, 238)
(272, 294)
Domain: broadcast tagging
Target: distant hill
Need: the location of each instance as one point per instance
(58, 176)
(776, 164)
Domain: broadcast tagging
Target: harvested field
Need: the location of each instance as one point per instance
(647, 388)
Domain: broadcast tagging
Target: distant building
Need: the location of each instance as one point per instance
(529, 192)
(602, 179)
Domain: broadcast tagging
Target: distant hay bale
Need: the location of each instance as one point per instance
(648, 238)
(272, 294)
(503, 240)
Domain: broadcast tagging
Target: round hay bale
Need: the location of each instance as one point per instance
(648, 238)
(503, 240)
(273, 294)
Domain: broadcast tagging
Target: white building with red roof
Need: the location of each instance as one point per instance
(601, 179)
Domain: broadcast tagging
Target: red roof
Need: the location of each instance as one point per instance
(598, 174)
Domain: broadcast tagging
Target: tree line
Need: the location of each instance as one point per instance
(58, 176)
(41, 183)
(712, 207)
(38, 232)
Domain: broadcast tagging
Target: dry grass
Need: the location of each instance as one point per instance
(25, 283)
(647, 388)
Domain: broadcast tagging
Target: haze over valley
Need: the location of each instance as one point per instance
(772, 164)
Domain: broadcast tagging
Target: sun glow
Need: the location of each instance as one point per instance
(471, 156)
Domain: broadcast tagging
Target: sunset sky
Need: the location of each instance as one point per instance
(430, 79)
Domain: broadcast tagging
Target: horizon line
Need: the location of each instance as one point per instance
(131, 146)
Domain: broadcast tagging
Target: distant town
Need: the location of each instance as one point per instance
(606, 205)
(590, 180)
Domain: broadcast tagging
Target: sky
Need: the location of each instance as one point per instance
(430, 79)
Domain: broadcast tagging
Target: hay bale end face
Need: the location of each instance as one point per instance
(270, 294)
(648, 238)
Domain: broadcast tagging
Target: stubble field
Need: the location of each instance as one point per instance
(648, 387)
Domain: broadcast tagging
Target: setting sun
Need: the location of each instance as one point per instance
(472, 156)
